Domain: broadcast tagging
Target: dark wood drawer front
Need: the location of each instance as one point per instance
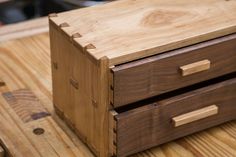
(153, 124)
(159, 74)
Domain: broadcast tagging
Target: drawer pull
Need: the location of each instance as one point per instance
(195, 115)
(195, 67)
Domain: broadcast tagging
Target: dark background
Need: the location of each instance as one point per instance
(12, 11)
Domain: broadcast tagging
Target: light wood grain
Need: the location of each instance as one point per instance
(80, 87)
(141, 28)
(30, 67)
(195, 115)
(195, 67)
(23, 29)
(151, 124)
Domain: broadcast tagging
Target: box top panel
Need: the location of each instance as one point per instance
(126, 30)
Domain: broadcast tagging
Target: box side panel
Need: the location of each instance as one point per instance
(80, 90)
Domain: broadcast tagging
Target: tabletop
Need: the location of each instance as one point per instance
(29, 127)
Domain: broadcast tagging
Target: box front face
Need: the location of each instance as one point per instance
(165, 120)
(148, 77)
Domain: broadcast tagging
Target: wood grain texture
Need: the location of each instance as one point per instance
(140, 28)
(80, 91)
(150, 125)
(159, 74)
(196, 67)
(26, 105)
(23, 29)
(30, 67)
(25, 63)
(195, 115)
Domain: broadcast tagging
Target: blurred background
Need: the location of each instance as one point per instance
(13, 11)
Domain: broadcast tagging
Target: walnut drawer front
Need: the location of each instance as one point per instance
(162, 73)
(165, 120)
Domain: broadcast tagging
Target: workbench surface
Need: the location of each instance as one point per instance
(25, 69)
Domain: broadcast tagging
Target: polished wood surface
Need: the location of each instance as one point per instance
(139, 28)
(151, 125)
(161, 73)
(25, 63)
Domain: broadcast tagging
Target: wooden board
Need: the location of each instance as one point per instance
(23, 29)
(151, 124)
(25, 63)
(25, 69)
(2, 153)
(127, 30)
(155, 75)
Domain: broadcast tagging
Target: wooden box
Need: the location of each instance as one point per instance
(132, 74)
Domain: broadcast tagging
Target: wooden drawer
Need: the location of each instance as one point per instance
(162, 73)
(165, 120)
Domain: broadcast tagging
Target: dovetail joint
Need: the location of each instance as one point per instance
(74, 83)
(89, 46)
(55, 65)
(52, 15)
(2, 83)
(64, 25)
(76, 35)
(95, 104)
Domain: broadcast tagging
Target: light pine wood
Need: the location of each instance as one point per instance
(137, 29)
(195, 115)
(195, 67)
(2, 153)
(23, 29)
(80, 87)
(30, 68)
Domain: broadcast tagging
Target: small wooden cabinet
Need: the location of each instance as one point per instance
(130, 75)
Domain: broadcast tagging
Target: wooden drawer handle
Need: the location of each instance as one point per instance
(195, 67)
(195, 115)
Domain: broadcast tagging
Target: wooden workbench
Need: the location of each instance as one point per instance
(25, 73)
